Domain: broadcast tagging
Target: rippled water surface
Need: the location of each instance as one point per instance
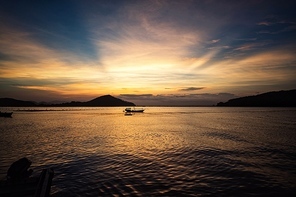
(170, 151)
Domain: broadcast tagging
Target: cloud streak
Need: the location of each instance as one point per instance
(178, 99)
(159, 50)
(191, 89)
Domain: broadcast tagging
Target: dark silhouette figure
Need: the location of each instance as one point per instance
(19, 170)
(19, 182)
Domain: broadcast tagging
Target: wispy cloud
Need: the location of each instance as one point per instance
(191, 89)
(179, 99)
(277, 25)
(214, 41)
(275, 22)
(250, 46)
(135, 95)
(154, 49)
(283, 30)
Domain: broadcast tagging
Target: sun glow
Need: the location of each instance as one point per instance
(155, 48)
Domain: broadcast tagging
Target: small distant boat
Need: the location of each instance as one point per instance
(129, 109)
(5, 114)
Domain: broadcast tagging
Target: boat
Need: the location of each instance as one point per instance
(5, 114)
(129, 109)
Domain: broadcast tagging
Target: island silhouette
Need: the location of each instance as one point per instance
(283, 98)
(106, 100)
(269, 99)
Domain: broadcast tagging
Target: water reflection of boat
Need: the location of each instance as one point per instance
(129, 109)
(5, 114)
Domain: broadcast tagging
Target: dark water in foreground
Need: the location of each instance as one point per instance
(162, 152)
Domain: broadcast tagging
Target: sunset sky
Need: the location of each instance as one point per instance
(151, 52)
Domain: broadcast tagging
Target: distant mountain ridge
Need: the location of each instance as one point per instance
(106, 100)
(10, 102)
(270, 99)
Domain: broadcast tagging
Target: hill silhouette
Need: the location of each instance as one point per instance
(270, 99)
(10, 102)
(106, 100)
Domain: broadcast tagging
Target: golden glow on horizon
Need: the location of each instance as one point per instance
(137, 65)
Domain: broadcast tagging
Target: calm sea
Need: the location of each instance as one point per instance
(165, 151)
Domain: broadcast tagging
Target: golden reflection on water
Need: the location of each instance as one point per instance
(167, 149)
(140, 133)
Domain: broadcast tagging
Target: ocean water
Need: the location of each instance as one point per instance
(165, 151)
